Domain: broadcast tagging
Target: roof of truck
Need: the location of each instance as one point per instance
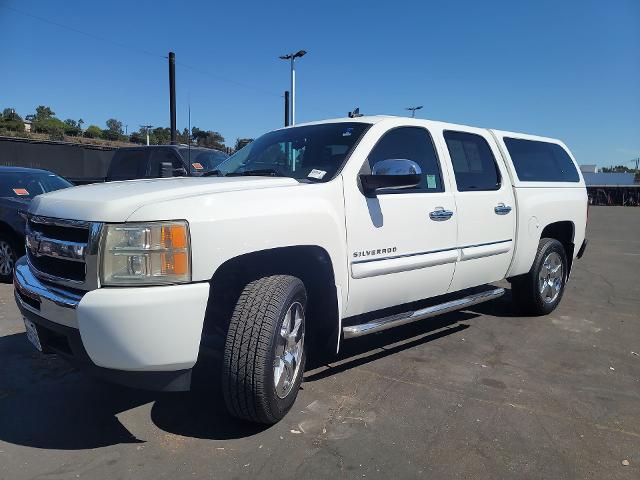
(373, 119)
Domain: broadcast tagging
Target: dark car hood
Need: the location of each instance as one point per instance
(17, 202)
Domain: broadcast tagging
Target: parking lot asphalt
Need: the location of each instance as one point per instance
(482, 393)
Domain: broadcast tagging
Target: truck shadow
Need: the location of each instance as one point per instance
(45, 403)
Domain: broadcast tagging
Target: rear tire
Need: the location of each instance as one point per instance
(8, 257)
(264, 354)
(539, 291)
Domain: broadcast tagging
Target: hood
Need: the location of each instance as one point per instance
(19, 203)
(116, 201)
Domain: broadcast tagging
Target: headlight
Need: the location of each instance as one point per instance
(152, 253)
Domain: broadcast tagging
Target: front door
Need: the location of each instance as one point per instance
(398, 252)
(486, 210)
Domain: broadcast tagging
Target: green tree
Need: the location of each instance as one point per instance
(242, 142)
(72, 128)
(138, 137)
(208, 138)
(10, 120)
(43, 113)
(44, 121)
(93, 131)
(160, 136)
(114, 130)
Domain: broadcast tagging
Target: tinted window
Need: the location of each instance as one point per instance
(411, 143)
(541, 161)
(473, 162)
(160, 156)
(127, 164)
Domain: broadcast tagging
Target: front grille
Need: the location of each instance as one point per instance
(59, 267)
(63, 252)
(70, 234)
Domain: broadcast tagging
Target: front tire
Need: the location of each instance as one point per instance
(264, 354)
(8, 256)
(539, 291)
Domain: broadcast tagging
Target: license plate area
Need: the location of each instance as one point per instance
(32, 333)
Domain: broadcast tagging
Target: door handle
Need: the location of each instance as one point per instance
(440, 214)
(502, 209)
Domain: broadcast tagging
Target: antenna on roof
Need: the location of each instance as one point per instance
(355, 113)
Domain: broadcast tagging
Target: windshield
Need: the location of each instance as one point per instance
(203, 161)
(28, 185)
(310, 153)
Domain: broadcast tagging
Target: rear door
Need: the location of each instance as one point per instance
(485, 207)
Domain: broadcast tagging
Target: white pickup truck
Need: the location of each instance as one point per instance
(309, 236)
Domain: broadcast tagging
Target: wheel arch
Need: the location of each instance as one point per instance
(564, 232)
(311, 263)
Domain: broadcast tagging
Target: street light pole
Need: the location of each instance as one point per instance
(292, 58)
(413, 110)
(146, 128)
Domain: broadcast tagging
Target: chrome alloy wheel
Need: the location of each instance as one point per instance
(6, 258)
(289, 349)
(550, 278)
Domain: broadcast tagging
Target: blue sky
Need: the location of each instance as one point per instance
(567, 69)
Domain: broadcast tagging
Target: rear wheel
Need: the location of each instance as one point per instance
(539, 291)
(7, 259)
(264, 353)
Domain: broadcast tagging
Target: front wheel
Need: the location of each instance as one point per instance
(539, 291)
(264, 353)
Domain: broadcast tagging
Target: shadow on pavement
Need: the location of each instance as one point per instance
(45, 403)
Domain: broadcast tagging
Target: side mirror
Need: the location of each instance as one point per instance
(393, 173)
(166, 170)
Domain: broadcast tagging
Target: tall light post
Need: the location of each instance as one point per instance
(292, 58)
(146, 128)
(413, 110)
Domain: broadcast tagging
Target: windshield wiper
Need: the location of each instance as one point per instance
(268, 172)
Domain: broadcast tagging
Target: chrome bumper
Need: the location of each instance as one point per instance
(45, 300)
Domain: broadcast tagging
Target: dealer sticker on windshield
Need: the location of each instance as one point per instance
(197, 166)
(431, 181)
(317, 174)
(20, 191)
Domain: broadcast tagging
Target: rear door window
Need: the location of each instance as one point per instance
(537, 161)
(473, 162)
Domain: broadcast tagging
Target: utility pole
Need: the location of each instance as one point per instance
(146, 129)
(286, 108)
(172, 96)
(292, 58)
(413, 110)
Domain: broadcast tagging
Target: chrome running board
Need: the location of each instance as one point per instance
(380, 324)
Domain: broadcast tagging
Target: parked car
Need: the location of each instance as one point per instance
(18, 186)
(310, 236)
(156, 161)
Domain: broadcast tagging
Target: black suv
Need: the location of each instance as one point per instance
(18, 186)
(155, 161)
